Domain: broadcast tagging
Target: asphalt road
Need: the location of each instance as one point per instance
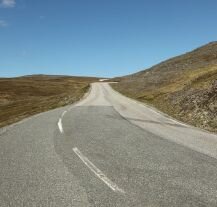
(106, 150)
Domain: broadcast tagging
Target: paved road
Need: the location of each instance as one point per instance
(107, 150)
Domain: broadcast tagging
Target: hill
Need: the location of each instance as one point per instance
(185, 87)
(25, 96)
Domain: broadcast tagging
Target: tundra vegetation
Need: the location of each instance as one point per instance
(184, 87)
(25, 96)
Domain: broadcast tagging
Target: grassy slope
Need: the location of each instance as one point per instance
(185, 87)
(26, 96)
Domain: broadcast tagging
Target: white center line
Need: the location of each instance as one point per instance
(60, 122)
(63, 113)
(60, 125)
(97, 172)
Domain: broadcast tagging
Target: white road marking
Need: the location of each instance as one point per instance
(60, 125)
(97, 172)
(60, 122)
(63, 114)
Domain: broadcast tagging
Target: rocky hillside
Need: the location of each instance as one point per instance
(185, 87)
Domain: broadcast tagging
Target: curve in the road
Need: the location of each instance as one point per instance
(89, 153)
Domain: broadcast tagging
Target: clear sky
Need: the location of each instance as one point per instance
(103, 38)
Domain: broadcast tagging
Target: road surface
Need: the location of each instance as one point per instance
(106, 150)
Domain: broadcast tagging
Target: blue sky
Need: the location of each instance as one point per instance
(103, 38)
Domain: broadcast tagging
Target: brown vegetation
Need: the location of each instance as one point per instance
(185, 87)
(25, 96)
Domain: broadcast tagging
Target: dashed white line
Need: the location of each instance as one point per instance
(63, 113)
(60, 122)
(97, 172)
(60, 125)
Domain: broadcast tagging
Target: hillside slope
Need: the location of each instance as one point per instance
(25, 96)
(185, 87)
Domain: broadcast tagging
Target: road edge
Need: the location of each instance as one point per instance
(4, 129)
(160, 112)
